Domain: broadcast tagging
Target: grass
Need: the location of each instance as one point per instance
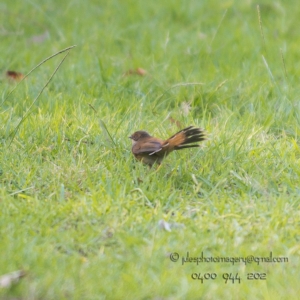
(81, 217)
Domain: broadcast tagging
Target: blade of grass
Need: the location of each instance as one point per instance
(42, 62)
(41, 91)
(103, 126)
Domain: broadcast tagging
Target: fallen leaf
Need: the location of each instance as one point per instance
(8, 279)
(13, 75)
(141, 71)
(164, 225)
(137, 71)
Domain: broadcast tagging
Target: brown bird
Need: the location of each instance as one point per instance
(151, 150)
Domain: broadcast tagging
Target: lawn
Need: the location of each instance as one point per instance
(80, 218)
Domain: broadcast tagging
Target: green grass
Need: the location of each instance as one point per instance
(80, 216)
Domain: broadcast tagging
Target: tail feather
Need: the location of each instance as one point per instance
(187, 146)
(186, 138)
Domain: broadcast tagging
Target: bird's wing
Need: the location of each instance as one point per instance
(149, 147)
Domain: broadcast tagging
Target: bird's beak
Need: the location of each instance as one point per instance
(130, 137)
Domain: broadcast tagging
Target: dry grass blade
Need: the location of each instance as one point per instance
(41, 91)
(42, 62)
(103, 126)
(261, 28)
(283, 62)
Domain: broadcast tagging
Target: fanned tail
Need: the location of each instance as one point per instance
(186, 138)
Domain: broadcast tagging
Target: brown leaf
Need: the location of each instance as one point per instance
(8, 279)
(141, 71)
(13, 75)
(138, 71)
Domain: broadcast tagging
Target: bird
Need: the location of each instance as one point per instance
(150, 150)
